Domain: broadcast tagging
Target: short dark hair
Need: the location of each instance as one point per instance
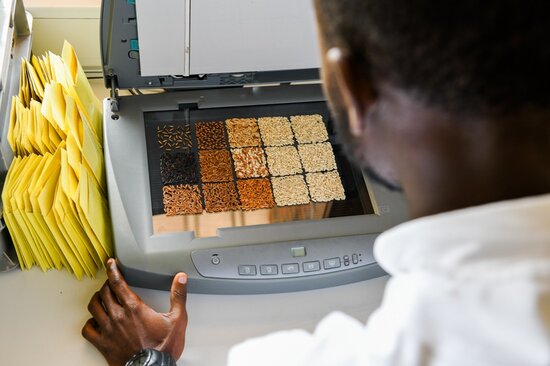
(471, 56)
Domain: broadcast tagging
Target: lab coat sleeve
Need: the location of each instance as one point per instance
(335, 341)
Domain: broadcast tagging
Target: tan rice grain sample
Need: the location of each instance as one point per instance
(325, 187)
(290, 190)
(220, 197)
(255, 194)
(310, 128)
(182, 199)
(283, 160)
(243, 132)
(215, 166)
(317, 157)
(275, 131)
(249, 162)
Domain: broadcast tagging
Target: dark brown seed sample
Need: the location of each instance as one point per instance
(178, 167)
(255, 194)
(174, 137)
(249, 162)
(215, 166)
(243, 132)
(182, 199)
(211, 135)
(219, 197)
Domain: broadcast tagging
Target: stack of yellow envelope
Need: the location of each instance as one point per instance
(54, 197)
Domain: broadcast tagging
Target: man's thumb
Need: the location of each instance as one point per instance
(178, 294)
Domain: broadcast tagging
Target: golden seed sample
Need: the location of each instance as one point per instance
(182, 199)
(215, 166)
(249, 162)
(309, 128)
(174, 137)
(290, 190)
(219, 197)
(243, 132)
(255, 194)
(325, 187)
(283, 160)
(317, 157)
(210, 135)
(275, 131)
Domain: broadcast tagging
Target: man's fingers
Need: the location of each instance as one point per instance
(90, 332)
(95, 307)
(119, 286)
(178, 295)
(109, 300)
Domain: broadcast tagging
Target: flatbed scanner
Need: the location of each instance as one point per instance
(216, 61)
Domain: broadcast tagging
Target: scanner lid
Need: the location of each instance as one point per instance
(178, 44)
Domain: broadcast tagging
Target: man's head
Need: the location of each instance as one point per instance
(423, 88)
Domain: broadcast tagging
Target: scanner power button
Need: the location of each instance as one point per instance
(215, 260)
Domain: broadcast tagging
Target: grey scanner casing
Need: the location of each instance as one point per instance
(149, 259)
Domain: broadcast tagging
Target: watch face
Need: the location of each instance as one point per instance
(142, 359)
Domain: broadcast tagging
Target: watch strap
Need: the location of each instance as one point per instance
(151, 357)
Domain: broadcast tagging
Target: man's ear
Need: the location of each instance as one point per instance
(356, 96)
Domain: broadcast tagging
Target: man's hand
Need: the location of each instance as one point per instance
(123, 324)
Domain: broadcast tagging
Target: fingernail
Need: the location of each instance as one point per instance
(182, 279)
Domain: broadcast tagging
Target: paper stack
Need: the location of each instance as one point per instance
(54, 196)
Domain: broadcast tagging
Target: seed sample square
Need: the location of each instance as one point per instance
(290, 190)
(276, 131)
(211, 135)
(215, 166)
(317, 157)
(255, 194)
(219, 197)
(178, 167)
(249, 162)
(283, 160)
(325, 187)
(243, 132)
(309, 128)
(181, 199)
(174, 137)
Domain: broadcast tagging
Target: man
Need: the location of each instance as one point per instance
(449, 101)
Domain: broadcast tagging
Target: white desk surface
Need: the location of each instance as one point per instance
(41, 315)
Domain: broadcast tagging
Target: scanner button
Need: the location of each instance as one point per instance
(269, 270)
(312, 266)
(332, 263)
(247, 270)
(290, 268)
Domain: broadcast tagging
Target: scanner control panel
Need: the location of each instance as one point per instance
(287, 259)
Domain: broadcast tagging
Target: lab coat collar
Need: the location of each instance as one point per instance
(455, 242)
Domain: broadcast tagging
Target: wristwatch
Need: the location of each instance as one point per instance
(151, 357)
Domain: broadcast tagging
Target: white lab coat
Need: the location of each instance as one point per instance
(469, 288)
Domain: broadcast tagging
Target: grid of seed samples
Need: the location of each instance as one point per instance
(246, 164)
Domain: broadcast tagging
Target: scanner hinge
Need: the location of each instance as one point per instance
(114, 92)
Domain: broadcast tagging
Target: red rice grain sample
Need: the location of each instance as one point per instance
(283, 160)
(220, 197)
(215, 166)
(174, 137)
(310, 128)
(255, 194)
(182, 199)
(290, 190)
(276, 131)
(317, 157)
(211, 135)
(243, 132)
(249, 162)
(325, 187)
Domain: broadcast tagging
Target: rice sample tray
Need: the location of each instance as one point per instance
(282, 160)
